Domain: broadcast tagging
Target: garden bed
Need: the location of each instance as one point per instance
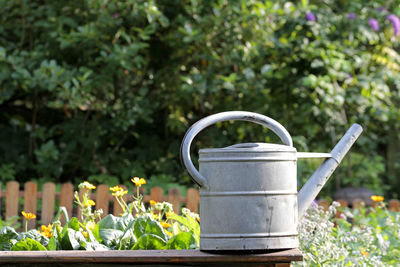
(280, 258)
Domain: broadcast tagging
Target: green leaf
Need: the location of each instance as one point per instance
(146, 225)
(191, 224)
(7, 233)
(61, 211)
(111, 230)
(110, 237)
(35, 235)
(72, 239)
(27, 245)
(182, 240)
(52, 245)
(128, 238)
(74, 223)
(149, 241)
(113, 222)
(93, 246)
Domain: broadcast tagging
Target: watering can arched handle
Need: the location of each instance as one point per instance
(273, 125)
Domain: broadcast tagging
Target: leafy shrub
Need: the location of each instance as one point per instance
(110, 87)
(154, 227)
(362, 237)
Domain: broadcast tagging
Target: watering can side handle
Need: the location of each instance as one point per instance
(273, 125)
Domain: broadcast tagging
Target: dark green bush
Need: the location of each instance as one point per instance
(108, 88)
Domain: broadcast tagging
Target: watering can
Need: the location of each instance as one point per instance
(248, 192)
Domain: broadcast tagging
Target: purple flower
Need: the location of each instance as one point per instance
(116, 15)
(395, 22)
(310, 16)
(373, 23)
(352, 16)
(382, 8)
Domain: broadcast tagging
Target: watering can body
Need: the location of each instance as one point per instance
(248, 192)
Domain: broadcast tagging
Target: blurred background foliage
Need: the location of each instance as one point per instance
(105, 90)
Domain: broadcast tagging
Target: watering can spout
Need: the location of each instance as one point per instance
(315, 183)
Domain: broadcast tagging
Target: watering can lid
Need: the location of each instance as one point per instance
(251, 147)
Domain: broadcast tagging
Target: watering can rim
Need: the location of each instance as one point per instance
(264, 148)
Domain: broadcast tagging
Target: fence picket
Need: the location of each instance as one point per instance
(357, 203)
(174, 198)
(48, 199)
(12, 194)
(117, 209)
(324, 204)
(66, 199)
(343, 204)
(394, 205)
(156, 194)
(30, 197)
(192, 200)
(102, 198)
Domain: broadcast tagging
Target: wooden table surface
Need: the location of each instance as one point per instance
(148, 258)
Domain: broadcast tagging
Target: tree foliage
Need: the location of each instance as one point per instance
(107, 89)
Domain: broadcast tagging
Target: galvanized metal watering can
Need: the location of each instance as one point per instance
(248, 192)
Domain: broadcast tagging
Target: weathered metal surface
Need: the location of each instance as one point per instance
(147, 257)
(249, 202)
(224, 116)
(310, 190)
(248, 194)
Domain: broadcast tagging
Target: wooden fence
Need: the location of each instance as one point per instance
(31, 200)
(393, 205)
(43, 203)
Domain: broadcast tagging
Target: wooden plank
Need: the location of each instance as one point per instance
(12, 199)
(156, 194)
(48, 201)
(30, 202)
(190, 257)
(174, 197)
(192, 200)
(102, 198)
(343, 204)
(67, 199)
(117, 209)
(358, 203)
(394, 205)
(324, 204)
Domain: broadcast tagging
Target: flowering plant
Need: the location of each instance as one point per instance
(154, 226)
(361, 237)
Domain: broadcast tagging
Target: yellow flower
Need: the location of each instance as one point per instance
(364, 253)
(90, 203)
(138, 181)
(120, 193)
(90, 225)
(168, 233)
(377, 198)
(87, 185)
(154, 216)
(85, 234)
(116, 189)
(28, 216)
(165, 225)
(47, 230)
(169, 214)
(152, 202)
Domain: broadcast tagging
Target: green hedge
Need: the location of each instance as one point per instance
(107, 89)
